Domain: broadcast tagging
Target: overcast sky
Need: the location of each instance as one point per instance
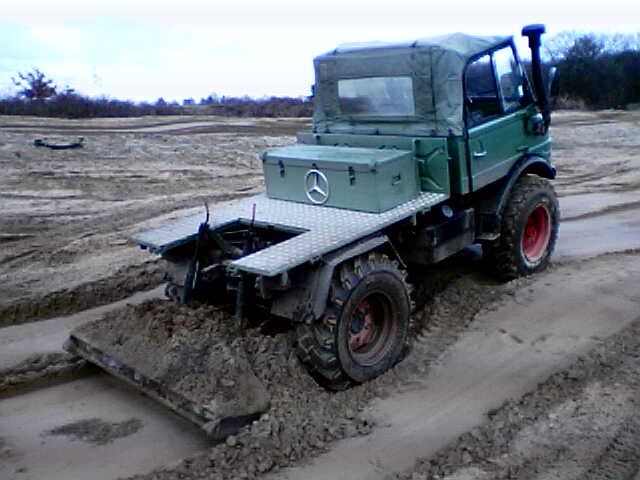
(143, 50)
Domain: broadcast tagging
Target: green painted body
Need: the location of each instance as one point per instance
(442, 165)
(373, 163)
(505, 141)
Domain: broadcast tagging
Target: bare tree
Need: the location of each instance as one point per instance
(588, 45)
(556, 47)
(34, 85)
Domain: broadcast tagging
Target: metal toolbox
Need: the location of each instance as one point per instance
(364, 179)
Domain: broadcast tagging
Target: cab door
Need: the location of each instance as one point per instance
(497, 104)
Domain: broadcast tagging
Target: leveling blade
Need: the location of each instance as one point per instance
(211, 383)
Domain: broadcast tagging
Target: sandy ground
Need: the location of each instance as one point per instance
(31, 448)
(457, 406)
(67, 214)
(581, 423)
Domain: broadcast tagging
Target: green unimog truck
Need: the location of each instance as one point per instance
(417, 150)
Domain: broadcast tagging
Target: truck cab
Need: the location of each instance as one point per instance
(453, 114)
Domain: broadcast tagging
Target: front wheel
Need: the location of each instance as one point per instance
(363, 331)
(529, 229)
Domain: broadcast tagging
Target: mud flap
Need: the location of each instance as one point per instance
(234, 396)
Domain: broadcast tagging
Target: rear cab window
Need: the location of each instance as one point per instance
(377, 96)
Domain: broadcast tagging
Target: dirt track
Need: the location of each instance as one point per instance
(466, 322)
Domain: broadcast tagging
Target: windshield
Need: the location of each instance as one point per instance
(377, 96)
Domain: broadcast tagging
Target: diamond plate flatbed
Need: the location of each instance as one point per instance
(321, 229)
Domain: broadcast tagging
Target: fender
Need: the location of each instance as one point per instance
(492, 202)
(308, 302)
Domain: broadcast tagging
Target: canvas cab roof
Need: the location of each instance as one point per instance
(421, 81)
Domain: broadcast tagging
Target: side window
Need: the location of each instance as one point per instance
(510, 78)
(482, 101)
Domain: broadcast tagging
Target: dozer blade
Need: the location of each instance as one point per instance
(210, 382)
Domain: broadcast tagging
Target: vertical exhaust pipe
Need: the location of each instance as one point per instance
(533, 33)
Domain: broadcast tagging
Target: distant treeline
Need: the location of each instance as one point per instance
(72, 105)
(595, 71)
(611, 80)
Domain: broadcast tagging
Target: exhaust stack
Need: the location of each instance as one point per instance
(533, 33)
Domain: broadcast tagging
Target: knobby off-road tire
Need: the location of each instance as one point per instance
(364, 328)
(529, 229)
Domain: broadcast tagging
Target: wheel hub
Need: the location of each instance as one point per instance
(362, 329)
(371, 329)
(537, 231)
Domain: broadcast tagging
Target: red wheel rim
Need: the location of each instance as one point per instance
(370, 328)
(537, 231)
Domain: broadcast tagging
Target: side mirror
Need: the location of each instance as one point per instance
(552, 86)
(535, 124)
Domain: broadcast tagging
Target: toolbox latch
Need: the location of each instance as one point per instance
(352, 176)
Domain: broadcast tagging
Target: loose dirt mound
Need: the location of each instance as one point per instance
(198, 353)
(304, 418)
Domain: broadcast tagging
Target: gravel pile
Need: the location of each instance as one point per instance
(172, 342)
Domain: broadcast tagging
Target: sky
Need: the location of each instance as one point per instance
(142, 50)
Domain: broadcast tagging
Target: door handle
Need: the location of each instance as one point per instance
(480, 154)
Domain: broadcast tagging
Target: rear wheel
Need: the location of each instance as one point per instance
(363, 331)
(529, 229)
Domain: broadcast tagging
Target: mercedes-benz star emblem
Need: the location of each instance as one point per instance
(316, 186)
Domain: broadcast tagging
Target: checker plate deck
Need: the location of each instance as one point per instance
(323, 229)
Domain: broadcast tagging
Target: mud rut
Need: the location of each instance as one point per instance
(306, 420)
